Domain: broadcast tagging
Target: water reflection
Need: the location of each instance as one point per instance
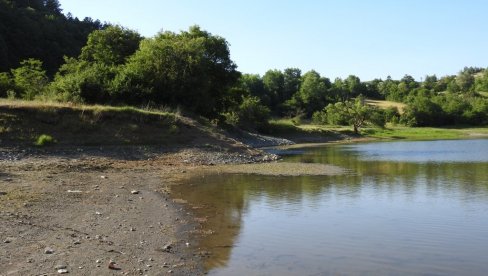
(387, 217)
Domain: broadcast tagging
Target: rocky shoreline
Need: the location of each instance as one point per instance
(102, 210)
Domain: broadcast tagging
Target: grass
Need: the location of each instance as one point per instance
(387, 104)
(24, 122)
(286, 128)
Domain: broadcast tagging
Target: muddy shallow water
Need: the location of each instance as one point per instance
(401, 208)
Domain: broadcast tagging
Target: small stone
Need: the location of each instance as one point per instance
(134, 192)
(132, 229)
(111, 265)
(48, 250)
(170, 271)
(187, 244)
(7, 240)
(151, 259)
(148, 265)
(103, 177)
(62, 271)
(77, 242)
(98, 213)
(98, 261)
(167, 247)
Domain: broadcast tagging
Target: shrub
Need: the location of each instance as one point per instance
(44, 140)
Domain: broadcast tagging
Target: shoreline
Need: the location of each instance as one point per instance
(92, 205)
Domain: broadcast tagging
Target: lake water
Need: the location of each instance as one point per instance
(403, 208)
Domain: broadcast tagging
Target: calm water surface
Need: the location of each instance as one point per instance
(404, 208)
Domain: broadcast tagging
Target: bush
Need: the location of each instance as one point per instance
(250, 115)
(44, 140)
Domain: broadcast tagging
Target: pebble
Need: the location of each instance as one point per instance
(132, 229)
(77, 242)
(98, 261)
(98, 213)
(7, 240)
(103, 177)
(48, 250)
(134, 192)
(62, 271)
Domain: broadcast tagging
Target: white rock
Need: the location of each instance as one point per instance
(62, 271)
(134, 192)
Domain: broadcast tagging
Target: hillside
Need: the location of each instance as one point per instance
(73, 126)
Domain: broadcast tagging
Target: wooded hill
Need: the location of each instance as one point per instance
(192, 71)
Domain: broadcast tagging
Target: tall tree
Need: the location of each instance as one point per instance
(111, 46)
(192, 69)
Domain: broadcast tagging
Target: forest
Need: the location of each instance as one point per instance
(46, 55)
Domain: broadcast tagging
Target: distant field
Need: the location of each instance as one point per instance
(387, 104)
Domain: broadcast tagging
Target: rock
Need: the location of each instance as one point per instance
(77, 242)
(7, 240)
(111, 265)
(48, 250)
(134, 192)
(103, 177)
(62, 271)
(167, 247)
(98, 261)
(98, 213)
(132, 229)
(74, 191)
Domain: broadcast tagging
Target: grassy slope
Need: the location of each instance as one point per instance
(21, 123)
(387, 104)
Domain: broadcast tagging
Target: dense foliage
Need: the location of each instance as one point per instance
(47, 55)
(38, 29)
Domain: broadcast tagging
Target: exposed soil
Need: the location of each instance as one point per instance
(90, 206)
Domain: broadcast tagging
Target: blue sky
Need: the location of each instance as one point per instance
(368, 38)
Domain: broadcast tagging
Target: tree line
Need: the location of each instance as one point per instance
(193, 70)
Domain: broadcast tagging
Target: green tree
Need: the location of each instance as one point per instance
(110, 46)
(429, 82)
(292, 81)
(251, 114)
(465, 81)
(274, 82)
(192, 69)
(313, 95)
(481, 83)
(30, 79)
(353, 86)
(354, 112)
(6, 84)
